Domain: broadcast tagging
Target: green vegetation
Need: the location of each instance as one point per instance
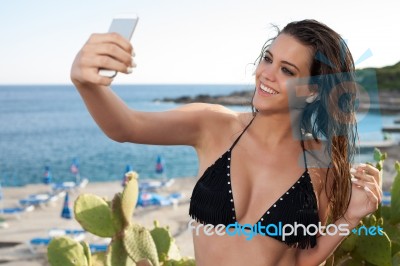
(386, 78)
(131, 244)
(374, 249)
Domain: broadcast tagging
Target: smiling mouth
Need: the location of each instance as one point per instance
(268, 89)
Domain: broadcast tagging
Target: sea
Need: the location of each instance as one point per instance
(49, 126)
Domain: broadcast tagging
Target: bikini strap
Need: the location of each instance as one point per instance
(304, 152)
(236, 141)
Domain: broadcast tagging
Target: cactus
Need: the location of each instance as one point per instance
(117, 255)
(139, 244)
(376, 249)
(131, 244)
(94, 214)
(67, 252)
(98, 259)
(130, 196)
(395, 202)
(117, 216)
(86, 251)
(166, 247)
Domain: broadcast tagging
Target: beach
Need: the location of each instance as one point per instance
(40, 221)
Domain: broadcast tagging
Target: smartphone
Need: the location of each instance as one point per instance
(124, 25)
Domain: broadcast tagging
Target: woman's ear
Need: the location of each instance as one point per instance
(311, 98)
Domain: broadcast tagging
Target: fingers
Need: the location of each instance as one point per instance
(368, 187)
(114, 38)
(367, 177)
(110, 51)
(102, 51)
(372, 197)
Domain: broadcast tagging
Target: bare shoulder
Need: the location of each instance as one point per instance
(216, 123)
(210, 114)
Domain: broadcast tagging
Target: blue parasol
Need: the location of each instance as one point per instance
(75, 170)
(47, 175)
(66, 211)
(159, 165)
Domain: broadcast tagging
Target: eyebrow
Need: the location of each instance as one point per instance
(285, 62)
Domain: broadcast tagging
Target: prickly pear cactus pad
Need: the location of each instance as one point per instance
(139, 244)
(117, 255)
(94, 215)
(66, 252)
(99, 259)
(166, 247)
(86, 250)
(395, 192)
(117, 216)
(130, 196)
(375, 249)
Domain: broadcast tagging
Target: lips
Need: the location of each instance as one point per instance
(268, 90)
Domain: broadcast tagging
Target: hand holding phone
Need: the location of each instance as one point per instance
(124, 25)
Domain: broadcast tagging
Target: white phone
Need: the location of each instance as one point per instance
(124, 25)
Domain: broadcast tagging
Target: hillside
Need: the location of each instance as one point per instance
(388, 77)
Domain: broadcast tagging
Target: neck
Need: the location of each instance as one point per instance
(277, 129)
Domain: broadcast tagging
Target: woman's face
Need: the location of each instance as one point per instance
(284, 61)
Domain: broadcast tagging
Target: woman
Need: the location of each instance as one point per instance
(255, 167)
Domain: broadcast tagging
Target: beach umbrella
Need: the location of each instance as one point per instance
(128, 168)
(75, 170)
(1, 199)
(47, 175)
(159, 165)
(66, 212)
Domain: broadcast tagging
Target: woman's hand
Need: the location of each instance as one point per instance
(366, 192)
(109, 51)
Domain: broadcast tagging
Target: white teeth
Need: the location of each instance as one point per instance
(268, 90)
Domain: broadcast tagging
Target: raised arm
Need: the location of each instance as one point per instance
(181, 126)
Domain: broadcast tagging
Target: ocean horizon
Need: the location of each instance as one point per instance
(49, 125)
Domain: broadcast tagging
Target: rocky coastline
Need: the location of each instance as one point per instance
(387, 101)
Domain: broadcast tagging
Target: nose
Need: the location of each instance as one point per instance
(266, 71)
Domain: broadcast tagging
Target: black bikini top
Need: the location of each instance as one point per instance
(212, 203)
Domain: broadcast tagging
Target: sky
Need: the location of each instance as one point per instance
(178, 41)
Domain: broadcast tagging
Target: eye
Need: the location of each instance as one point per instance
(267, 59)
(287, 71)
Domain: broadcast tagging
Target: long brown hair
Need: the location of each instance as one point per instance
(332, 114)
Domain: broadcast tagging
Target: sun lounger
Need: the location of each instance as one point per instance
(68, 186)
(38, 199)
(386, 198)
(149, 199)
(16, 211)
(98, 248)
(39, 243)
(152, 185)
